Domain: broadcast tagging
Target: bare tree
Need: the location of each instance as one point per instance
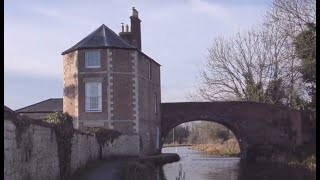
(245, 66)
(204, 132)
(259, 64)
(292, 16)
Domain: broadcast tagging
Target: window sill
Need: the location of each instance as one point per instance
(93, 111)
(93, 67)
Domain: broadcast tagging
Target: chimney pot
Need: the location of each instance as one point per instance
(127, 28)
(134, 12)
(122, 27)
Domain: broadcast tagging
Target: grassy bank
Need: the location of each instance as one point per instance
(227, 148)
(176, 144)
(309, 162)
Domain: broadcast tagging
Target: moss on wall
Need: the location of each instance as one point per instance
(22, 124)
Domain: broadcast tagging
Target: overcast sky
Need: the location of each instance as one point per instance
(174, 33)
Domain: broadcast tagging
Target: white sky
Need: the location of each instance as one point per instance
(175, 34)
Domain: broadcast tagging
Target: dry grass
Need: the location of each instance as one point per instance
(309, 162)
(227, 148)
(176, 144)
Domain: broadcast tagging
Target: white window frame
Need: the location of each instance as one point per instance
(95, 55)
(88, 96)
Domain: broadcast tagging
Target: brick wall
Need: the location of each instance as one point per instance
(149, 85)
(123, 102)
(122, 72)
(129, 88)
(93, 119)
(118, 74)
(81, 61)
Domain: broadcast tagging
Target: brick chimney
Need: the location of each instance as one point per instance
(136, 28)
(134, 36)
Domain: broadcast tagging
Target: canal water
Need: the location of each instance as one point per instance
(195, 165)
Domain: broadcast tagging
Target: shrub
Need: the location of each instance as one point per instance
(59, 118)
(104, 136)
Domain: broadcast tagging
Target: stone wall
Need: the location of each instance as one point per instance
(125, 145)
(35, 155)
(70, 85)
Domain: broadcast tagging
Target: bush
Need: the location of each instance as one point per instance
(104, 136)
(59, 118)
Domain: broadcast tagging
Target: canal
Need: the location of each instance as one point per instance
(194, 165)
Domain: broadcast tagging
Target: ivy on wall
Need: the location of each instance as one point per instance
(22, 124)
(64, 133)
(104, 136)
(61, 124)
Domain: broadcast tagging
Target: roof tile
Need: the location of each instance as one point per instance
(49, 105)
(103, 37)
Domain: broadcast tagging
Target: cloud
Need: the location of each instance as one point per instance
(174, 94)
(174, 33)
(21, 91)
(49, 12)
(211, 9)
(35, 46)
(31, 51)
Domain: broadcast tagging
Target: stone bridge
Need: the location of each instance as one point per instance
(260, 128)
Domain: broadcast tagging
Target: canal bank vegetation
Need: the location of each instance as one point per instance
(209, 137)
(226, 148)
(304, 156)
(177, 144)
(309, 162)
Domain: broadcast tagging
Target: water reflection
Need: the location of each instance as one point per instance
(273, 171)
(198, 165)
(193, 165)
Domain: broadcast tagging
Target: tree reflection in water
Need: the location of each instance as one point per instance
(185, 169)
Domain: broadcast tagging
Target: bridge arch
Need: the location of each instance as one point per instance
(258, 127)
(240, 136)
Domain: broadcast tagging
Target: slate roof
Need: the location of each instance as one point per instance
(7, 109)
(103, 37)
(9, 113)
(46, 106)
